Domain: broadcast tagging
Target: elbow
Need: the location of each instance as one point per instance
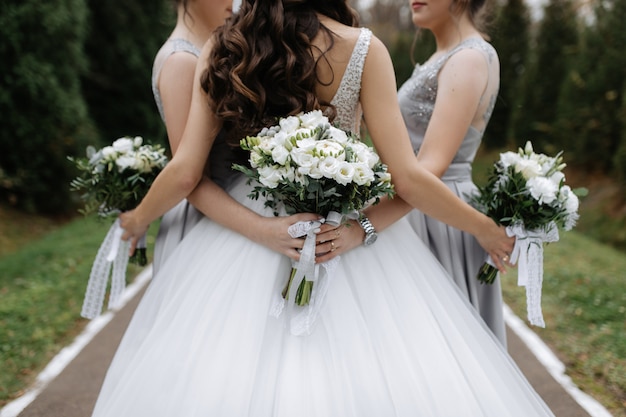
(188, 182)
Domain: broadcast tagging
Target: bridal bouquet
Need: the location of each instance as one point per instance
(112, 180)
(305, 165)
(526, 192)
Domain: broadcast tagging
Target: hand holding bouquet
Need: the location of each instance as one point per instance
(112, 180)
(526, 192)
(305, 165)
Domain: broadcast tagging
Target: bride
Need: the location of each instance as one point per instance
(394, 337)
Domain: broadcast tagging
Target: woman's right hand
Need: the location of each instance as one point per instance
(497, 244)
(134, 229)
(272, 233)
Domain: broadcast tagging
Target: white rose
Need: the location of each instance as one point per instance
(313, 119)
(345, 173)
(123, 145)
(542, 189)
(528, 168)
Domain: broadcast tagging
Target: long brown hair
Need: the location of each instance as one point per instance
(262, 66)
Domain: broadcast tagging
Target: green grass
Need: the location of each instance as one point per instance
(42, 285)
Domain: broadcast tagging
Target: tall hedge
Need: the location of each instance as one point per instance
(123, 39)
(590, 106)
(44, 117)
(555, 45)
(511, 37)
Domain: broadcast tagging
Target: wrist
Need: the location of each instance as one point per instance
(369, 230)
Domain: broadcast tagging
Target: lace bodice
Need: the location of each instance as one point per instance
(170, 47)
(346, 98)
(417, 99)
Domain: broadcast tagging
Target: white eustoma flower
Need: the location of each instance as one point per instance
(289, 124)
(137, 141)
(542, 189)
(329, 166)
(124, 162)
(338, 135)
(108, 152)
(269, 176)
(123, 145)
(313, 119)
(528, 168)
(363, 175)
(509, 158)
(255, 159)
(345, 173)
(384, 177)
(304, 159)
(280, 154)
(364, 154)
(305, 145)
(330, 148)
(557, 177)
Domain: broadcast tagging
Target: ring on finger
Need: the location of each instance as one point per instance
(332, 246)
(506, 258)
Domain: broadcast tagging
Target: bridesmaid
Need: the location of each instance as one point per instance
(172, 82)
(446, 105)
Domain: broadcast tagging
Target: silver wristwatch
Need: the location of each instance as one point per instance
(368, 228)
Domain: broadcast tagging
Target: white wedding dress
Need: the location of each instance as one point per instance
(394, 337)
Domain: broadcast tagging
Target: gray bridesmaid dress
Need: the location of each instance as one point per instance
(459, 252)
(176, 223)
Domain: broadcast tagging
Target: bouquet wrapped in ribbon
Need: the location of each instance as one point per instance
(112, 180)
(305, 165)
(526, 192)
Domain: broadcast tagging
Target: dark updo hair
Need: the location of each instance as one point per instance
(262, 66)
(477, 12)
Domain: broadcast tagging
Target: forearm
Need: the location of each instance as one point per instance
(387, 212)
(215, 203)
(170, 187)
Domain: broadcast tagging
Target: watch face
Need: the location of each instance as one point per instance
(369, 239)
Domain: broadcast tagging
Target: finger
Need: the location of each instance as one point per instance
(133, 246)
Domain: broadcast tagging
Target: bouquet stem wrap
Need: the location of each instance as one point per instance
(528, 254)
(112, 254)
(301, 319)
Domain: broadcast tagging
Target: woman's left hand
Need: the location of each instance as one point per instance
(133, 228)
(333, 241)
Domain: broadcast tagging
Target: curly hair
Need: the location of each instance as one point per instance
(262, 65)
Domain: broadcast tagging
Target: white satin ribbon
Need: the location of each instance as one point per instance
(301, 319)
(113, 252)
(528, 255)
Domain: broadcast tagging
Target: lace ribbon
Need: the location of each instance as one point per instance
(528, 254)
(301, 319)
(113, 253)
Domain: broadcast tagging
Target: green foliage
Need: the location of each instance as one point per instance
(44, 116)
(511, 38)
(123, 39)
(534, 116)
(590, 106)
